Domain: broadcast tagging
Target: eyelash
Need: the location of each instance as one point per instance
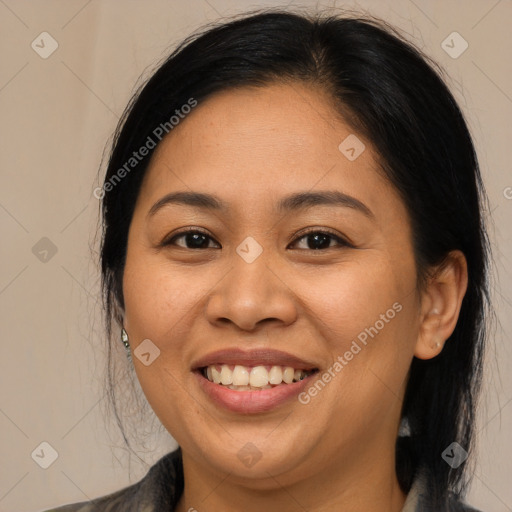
(342, 242)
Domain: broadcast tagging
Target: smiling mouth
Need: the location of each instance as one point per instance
(253, 378)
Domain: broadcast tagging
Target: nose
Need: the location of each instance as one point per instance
(252, 295)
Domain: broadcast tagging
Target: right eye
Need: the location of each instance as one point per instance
(193, 239)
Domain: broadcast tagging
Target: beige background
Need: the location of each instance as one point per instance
(56, 115)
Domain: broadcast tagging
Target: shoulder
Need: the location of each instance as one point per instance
(420, 499)
(453, 504)
(110, 502)
(160, 489)
(459, 506)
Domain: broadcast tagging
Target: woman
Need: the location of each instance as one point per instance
(295, 259)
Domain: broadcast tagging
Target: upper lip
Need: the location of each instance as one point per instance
(254, 357)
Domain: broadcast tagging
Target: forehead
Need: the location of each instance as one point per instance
(255, 143)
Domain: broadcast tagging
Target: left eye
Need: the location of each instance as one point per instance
(317, 240)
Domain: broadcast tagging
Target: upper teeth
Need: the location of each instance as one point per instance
(256, 377)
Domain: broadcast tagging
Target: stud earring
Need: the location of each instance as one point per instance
(124, 339)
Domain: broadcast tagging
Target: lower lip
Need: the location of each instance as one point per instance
(251, 402)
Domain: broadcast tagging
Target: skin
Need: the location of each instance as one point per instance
(251, 147)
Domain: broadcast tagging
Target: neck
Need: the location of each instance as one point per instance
(368, 485)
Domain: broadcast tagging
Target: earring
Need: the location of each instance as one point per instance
(124, 339)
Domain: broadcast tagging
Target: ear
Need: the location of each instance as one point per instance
(440, 304)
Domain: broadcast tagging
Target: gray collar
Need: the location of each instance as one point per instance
(412, 500)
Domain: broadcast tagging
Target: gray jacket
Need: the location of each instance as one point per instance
(154, 493)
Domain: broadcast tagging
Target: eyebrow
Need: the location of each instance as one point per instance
(293, 202)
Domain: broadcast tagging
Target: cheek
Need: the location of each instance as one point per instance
(347, 300)
(366, 317)
(158, 304)
(156, 297)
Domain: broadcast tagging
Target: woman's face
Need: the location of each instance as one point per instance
(342, 300)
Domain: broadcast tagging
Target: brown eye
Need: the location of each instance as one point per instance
(193, 239)
(197, 239)
(321, 240)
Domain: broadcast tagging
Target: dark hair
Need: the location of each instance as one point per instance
(389, 92)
